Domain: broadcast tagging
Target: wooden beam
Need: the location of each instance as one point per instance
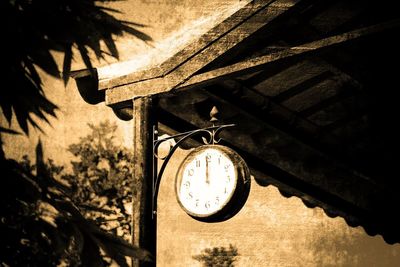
(288, 154)
(343, 77)
(290, 122)
(143, 225)
(191, 49)
(261, 62)
(244, 29)
(316, 62)
(179, 79)
(331, 188)
(301, 87)
(345, 92)
(266, 175)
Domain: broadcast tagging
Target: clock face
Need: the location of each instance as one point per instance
(206, 181)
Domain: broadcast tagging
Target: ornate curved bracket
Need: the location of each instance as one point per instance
(211, 137)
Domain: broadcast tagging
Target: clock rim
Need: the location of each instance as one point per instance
(240, 168)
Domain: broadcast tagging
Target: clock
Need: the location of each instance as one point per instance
(212, 183)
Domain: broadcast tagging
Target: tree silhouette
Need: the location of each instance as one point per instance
(32, 29)
(40, 225)
(218, 256)
(102, 182)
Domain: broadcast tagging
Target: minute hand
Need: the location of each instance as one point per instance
(207, 178)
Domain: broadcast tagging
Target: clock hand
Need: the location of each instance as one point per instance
(207, 179)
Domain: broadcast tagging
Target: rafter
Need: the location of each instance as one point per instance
(261, 62)
(177, 78)
(288, 154)
(301, 87)
(282, 119)
(343, 94)
(212, 44)
(269, 11)
(266, 174)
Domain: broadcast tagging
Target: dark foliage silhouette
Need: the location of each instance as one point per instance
(52, 216)
(43, 225)
(40, 224)
(34, 28)
(218, 256)
(101, 182)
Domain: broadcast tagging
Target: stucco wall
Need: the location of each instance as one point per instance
(270, 230)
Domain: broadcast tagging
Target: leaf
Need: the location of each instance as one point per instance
(93, 208)
(58, 245)
(22, 118)
(9, 131)
(84, 54)
(43, 104)
(7, 111)
(34, 124)
(91, 254)
(111, 10)
(27, 99)
(33, 74)
(122, 246)
(137, 253)
(79, 238)
(138, 34)
(114, 254)
(41, 169)
(45, 60)
(18, 183)
(133, 23)
(70, 207)
(54, 183)
(67, 64)
(111, 46)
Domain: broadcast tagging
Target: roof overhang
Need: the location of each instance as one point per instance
(309, 88)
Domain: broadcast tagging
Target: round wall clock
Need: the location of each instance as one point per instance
(212, 183)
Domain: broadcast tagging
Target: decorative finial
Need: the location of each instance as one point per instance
(213, 113)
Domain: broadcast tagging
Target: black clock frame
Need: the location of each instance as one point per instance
(241, 191)
(211, 134)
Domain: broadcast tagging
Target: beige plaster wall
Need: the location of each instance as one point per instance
(270, 230)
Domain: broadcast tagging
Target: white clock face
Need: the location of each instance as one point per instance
(206, 183)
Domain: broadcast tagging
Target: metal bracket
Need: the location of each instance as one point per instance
(211, 134)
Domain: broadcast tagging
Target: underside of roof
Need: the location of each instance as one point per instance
(311, 87)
